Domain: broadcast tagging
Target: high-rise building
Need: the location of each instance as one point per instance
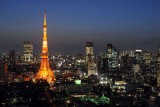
(158, 56)
(12, 57)
(139, 54)
(147, 57)
(102, 65)
(129, 53)
(89, 51)
(90, 61)
(158, 78)
(45, 72)
(28, 51)
(112, 56)
(158, 67)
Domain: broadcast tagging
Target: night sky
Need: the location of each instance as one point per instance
(127, 24)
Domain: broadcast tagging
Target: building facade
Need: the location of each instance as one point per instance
(90, 60)
(28, 51)
(112, 57)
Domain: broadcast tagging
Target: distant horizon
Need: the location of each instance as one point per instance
(128, 25)
(81, 51)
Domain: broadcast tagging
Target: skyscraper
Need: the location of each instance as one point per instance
(90, 61)
(12, 57)
(112, 57)
(158, 67)
(89, 51)
(147, 57)
(28, 51)
(139, 54)
(45, 72)
(158, 56)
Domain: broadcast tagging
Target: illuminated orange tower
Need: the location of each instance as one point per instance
(45, 71)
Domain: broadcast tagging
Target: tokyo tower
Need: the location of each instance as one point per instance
(45, 72)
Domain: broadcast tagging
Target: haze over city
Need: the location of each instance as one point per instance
(127, 24)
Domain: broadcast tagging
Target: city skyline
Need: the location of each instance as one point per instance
(126, 24)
